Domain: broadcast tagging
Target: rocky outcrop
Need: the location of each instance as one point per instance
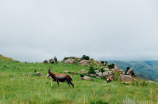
(84, 62)
(126, 78)
(39, 74)
(86, 78)
(129, 72)
(69, 61)
(104, 73)
(116, 68)
(106, 69)
(83, 71)
(45, 61)
(50, 61)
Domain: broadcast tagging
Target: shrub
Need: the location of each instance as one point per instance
(5, 65)
(84, 57)
(92, 70)
(111, 66)
(52, 62)
(55, 59)
(102, 62)
(81, 75)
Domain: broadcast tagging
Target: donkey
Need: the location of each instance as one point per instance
(60, 78)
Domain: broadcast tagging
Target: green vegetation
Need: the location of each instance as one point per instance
(111, 66)
(91, 70)
(84, 57)
(19, 85)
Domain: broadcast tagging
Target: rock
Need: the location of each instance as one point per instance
(84, 62)
(69, 61)
(66, 71)
(126, 78)
(104, 73)
(97, 77)
(86, 78)
(116, 68)
(129, 72)
(92, 75)
(96, 71)
(150, 81)
(39, 74)
(45, 61)
(51, 60)
(106, 69)
(73, 72)
(83, 71)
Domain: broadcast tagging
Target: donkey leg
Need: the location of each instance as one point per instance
(72, 84)
(68, 83)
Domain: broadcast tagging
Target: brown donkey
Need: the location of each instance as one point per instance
(60, 78)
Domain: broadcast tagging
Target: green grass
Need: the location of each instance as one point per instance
(19, 85)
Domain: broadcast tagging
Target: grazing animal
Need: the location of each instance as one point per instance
(109, 79)
(60, 78)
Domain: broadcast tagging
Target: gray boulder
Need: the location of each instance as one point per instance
(116, 68)
(69, 61)
(84, 62)
(86, 78)
(126, 78)
(83, 71)
(92, 75)
(39, 74)
(104, 73)
(66, 71)
(129, 72)
(96, 71)
(106, 69)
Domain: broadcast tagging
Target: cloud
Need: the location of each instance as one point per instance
(37, 30)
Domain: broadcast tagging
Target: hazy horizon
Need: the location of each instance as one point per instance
(36, 30)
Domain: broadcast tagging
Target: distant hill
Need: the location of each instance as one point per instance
(141, 68)
(4, 58)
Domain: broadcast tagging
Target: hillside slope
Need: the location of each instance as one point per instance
(149, 68)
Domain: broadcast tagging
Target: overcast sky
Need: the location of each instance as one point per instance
(37, 30)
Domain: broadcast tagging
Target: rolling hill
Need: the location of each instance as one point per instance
(144, 68)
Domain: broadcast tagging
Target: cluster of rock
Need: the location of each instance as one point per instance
(126, 77)
(50, 61)
(109, 72)
(69, 61)
(84, 62)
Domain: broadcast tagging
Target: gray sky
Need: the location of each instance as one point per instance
(37, 30)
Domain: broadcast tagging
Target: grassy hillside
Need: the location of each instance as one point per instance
(149, 68)
(19, 85)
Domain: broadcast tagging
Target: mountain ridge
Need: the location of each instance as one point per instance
(149, 68)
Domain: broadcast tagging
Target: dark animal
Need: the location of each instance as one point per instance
(60, 78)
(109, 79)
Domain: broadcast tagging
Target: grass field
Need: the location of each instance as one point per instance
(19, 85)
